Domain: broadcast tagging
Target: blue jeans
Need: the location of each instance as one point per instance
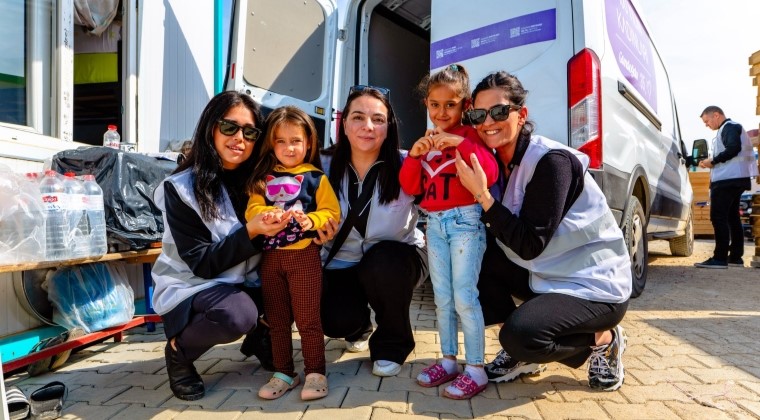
(456, 241)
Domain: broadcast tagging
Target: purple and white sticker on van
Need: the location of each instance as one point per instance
(632, 48)
(511, 33)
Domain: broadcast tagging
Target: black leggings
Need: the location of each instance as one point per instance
(384, 279)
(220, 314)
(548, 327)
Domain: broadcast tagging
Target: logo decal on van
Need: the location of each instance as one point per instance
(511, 33)
(633, 49)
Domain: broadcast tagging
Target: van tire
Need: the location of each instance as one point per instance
(683, 246)
(635, 233)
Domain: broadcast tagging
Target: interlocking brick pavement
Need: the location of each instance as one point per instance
(692, 354)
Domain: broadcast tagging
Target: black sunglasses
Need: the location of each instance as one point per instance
(498, 113)
(358, 88)
(229, 128)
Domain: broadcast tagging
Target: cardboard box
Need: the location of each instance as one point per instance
(700, 205)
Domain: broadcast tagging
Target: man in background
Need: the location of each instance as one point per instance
(731, 167)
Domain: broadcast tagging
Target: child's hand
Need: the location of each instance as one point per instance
(302, 219)
(422, 146)
(276, 215)
(443, 140)
(266, 223)
(269, 217)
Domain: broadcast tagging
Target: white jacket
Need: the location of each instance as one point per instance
(173, 280)
(742, 165)
(587, 256)
(394, 221)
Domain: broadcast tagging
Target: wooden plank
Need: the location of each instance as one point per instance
(754, 70)
(145, 255)
(754, 58)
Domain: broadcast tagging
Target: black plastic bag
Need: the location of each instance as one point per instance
(128, 180)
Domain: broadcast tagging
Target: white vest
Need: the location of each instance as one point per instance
(173, 280)
(742, 165)
(587, 256)
(394, 221)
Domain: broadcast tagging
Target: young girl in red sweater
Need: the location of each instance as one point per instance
(456, 239)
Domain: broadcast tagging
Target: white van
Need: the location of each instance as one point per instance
(595, 78)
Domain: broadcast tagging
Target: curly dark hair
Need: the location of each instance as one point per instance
(203, 159)
(387, 179)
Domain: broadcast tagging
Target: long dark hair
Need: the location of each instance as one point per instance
(389, 151)
(267, 160)
(513, 90)
(204, 161)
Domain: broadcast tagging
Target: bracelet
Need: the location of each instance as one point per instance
(480, 194)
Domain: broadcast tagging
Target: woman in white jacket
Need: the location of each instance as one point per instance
(378, 264)
(205, 278)
(553, 242)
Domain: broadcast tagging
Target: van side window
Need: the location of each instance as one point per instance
(665, 112)
(285, 51)
(24, 93)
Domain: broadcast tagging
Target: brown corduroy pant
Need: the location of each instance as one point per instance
(291, 282)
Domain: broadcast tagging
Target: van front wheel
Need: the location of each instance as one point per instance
(635, 233)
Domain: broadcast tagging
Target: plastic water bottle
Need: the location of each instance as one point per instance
(79, 229)
(30, 220)
(54, 202)
(96, 215)
(111, 138)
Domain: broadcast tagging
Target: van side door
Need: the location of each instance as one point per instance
(283, 53)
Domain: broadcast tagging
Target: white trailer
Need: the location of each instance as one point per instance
(153, 82)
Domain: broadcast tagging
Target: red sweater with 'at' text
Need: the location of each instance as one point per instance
(434, 174)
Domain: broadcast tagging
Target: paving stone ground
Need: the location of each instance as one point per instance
(692, 354)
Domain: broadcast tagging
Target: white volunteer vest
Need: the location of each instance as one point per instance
(742, 165)
(587, 256)
(174, 281)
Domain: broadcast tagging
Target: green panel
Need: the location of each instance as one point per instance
(96, 68)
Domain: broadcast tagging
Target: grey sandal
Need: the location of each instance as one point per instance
(47, 402)
(18, 404)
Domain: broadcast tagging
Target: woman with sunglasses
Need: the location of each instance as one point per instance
(552, 242)
(204, 275)
(376, 260)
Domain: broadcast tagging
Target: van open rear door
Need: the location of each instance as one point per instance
(283, 53)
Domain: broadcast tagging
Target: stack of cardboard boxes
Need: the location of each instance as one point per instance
(700, 204)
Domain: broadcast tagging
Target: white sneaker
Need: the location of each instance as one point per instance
(357, 346)
(385, 368)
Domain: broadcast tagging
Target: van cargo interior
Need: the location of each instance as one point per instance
(396, 24)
